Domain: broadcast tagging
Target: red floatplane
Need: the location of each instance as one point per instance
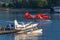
(37, 16)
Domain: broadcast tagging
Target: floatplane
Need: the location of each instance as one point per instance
(37, 17)
(28, 28)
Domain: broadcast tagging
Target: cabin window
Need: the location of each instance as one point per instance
(12, 25)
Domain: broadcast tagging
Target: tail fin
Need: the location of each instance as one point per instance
(18, 25)
(15, 22)
(28, 15)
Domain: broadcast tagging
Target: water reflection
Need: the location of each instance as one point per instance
(25, 37)
(18, 37)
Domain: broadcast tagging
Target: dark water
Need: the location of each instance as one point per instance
(51, 29)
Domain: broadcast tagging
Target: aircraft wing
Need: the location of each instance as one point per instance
(31, 26)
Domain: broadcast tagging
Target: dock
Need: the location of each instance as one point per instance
(9, 31)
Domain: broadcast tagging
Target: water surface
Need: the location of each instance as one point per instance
(51, 30)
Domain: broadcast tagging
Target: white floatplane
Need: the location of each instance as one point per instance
(28, 28)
